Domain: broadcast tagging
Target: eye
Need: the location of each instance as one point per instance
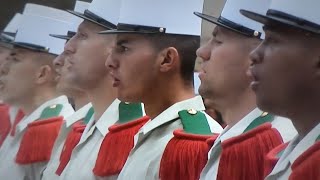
(121, 48)
(81, 35)
(12, 59)
(269, 40)
(215, 40)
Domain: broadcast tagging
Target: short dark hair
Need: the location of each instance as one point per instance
(186, 46)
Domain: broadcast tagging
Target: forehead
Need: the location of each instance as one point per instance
(4, 49)
(18, 51)
(285, 31)
(131, 38)
(227, 34)
(90, 26)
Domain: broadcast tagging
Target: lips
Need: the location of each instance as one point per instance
(116, 80)
(253, 75)
(202, 73)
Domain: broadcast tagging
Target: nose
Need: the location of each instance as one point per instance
(256, 56)
(69, 47)
(59, 60)
(204, 52)
(112, 61)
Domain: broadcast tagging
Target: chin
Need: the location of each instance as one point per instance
(128, 97)
(265, 104)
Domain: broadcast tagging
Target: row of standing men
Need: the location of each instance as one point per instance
(128, 66)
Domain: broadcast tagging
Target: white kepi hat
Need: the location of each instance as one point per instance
(46, 11)
(80, 7)
(154, 16)
(10, 30)
(231, 18)
(102, 12)
(33, 33)
(303, 15)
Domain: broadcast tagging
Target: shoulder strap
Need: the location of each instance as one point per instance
(318, 138)
(129, 112)
(263, 118)
(88, 116)
(51, 111)
(194, 122)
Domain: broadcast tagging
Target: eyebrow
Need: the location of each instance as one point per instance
(13, 54)
(270, 28)
(217, 31)
(122, 41)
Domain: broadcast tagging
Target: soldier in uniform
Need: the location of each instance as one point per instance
(250, 133)
(101, 147)
(28, 82)
(84, 109)
(7, 112)
(285, 71)
(153, 62)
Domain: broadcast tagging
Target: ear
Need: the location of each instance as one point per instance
(169, 59)
(44, 74)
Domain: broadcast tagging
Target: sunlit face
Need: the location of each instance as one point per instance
(133, 66)
(18, 75)
(85, 56)
(283, 70)
(225, 62)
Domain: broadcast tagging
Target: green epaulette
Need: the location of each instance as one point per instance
(51, 111)
(318, 138)
(129, 112)
(88, 116)
(263, 118)
(194, 122)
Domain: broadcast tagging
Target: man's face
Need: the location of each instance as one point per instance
(225, 62)
(63, 84)
(18, 75)
(133, 66)
(283, 69)
(85, 55)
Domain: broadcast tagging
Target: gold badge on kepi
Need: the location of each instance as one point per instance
(192, 111)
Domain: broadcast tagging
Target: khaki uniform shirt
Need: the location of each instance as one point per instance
(50, 171)
(8, 168)
(282, 170)
(84, 155)
(283, 125)
(144, 160)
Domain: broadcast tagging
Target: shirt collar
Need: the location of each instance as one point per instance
(80, 114)
(109, 117)
(36, 113)
(304, 144)
(240, 126)
(172, 113)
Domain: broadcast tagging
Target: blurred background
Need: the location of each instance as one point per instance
(9, 7)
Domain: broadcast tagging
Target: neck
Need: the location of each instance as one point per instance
(304, 123)
(236, 108)
(162, 98)
(101, 99)
(32, 104)
(80, 100)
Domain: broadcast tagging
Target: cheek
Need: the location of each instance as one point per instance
(227, 63)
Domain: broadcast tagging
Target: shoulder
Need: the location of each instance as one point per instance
(198, 122)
